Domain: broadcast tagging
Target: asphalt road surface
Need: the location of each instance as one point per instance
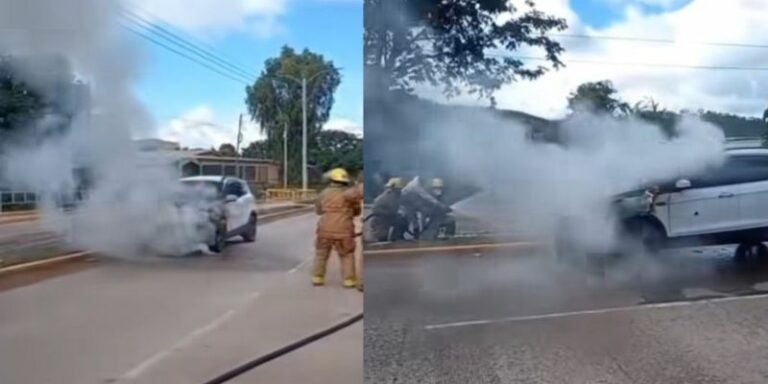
(174, 320)
(690, 316)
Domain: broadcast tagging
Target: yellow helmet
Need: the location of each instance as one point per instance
(437, 183)
(339, 175)
(395, 183)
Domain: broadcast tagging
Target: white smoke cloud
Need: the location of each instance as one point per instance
(130, 206)
(528, 187)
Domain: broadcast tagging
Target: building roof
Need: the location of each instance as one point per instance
(210, 178)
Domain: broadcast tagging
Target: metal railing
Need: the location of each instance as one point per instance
(291, 194)
(17, 201)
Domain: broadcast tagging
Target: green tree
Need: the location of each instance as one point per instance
(274, 101)
(338, 149)
(256, 150)
(597, 97)
(19, 104)
(450, 44)
(227, 149)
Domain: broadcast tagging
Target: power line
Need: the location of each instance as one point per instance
(181, 50)
(199, 51)
(638, 64)
(658, 40)
(185, 55)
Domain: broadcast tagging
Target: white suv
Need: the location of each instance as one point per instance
(725, 205)
(233, 211)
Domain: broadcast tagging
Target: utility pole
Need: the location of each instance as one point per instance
(303, 82)
(237, 148)
(285, 155)
(304, 133)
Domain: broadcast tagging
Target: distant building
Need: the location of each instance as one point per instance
(261, 173)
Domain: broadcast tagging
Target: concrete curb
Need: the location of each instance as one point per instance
(272, 217)
(44, 263)
(454, 249)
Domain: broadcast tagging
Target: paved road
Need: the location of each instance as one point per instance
(690, 317)
(170, 321)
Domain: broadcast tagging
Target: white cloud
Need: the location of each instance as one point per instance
(742, 92)
(260, 17)
(344, 124)
(200, 127)
(263, 18)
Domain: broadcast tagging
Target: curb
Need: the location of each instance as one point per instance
(457, 249)
(272, 217)
(43, 263)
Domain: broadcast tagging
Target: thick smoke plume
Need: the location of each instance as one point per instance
(130, 205)
(529, 186)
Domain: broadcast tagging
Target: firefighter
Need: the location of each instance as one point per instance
(360, 190)
(385, 217)
(439, 222)
(337, 206)
(419, 203)
(436, 188)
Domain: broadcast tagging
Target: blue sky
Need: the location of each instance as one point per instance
(173, 87)
(603, 13)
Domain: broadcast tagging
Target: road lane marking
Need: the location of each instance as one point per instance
(159, 356)
(478, 247)
(630, 308)
(40, 263)
(298, 266)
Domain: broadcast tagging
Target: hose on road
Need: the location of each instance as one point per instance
(284, 350)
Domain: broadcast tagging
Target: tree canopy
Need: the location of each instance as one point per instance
(336, 148)
(275, 102)
(597, 97)
(227, 149)
(455, 45)
(256, 150)
(19, 104)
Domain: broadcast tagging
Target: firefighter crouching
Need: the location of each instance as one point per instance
(337, 206)
(386, 222)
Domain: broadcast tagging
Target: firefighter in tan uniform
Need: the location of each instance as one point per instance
(337, 206)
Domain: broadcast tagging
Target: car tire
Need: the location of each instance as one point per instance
(219, 241)
(644, 237)
(750, 253)
(249, 235)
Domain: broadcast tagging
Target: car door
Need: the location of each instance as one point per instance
(233, 204)
(710, 205)
(247, 203)
(753, 191)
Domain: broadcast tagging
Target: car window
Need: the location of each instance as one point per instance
(737, 169)
(234, 187)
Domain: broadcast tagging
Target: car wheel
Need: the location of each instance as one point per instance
(645, 238)
(249, 235)
(219, 241)
(750, 253)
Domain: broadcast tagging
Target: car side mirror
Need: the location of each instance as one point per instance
(230, 199)
(683, 184)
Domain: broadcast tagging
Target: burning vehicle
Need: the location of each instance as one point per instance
(220, 207)
(726, 204)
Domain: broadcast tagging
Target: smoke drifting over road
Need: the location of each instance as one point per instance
(125, 210)
(528, 186)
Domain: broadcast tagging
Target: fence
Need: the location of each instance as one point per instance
(291, 194)
(17, 201)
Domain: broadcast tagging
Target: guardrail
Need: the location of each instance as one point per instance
(291, 194)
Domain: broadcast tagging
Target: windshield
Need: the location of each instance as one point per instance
(199, 190)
